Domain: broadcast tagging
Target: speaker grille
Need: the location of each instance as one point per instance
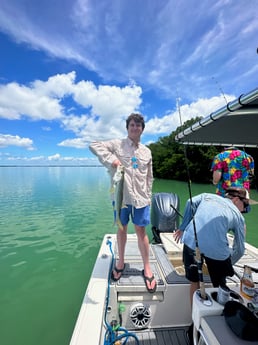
(140, 315)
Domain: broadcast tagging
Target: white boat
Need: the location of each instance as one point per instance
(124, 312)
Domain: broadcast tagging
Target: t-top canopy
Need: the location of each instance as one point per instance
(235, 124)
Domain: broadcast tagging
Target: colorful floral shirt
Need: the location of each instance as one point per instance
(235, 166)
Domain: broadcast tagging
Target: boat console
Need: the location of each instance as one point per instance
(210, 326)
(135, 307)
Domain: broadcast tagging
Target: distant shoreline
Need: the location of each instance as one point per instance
(51, 166)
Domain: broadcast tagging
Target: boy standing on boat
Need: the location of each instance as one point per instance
(232, 168)
(136, 160)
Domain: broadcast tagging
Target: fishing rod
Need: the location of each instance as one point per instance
(197, 249)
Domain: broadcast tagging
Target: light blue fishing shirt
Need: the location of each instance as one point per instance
(214, 216)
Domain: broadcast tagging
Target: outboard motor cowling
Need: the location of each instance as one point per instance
(164, 213)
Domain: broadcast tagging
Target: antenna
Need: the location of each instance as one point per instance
(220, 89)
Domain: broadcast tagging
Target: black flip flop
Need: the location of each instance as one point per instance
(117, 271)
(149, 280)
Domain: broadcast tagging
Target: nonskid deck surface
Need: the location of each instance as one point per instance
(170, 336)
(162, 267)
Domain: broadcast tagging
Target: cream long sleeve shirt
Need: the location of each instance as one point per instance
(137, 162)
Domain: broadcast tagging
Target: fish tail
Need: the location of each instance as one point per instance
(117, 220)
(119, 224)
(112, 190)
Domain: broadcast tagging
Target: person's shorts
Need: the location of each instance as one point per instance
(218, 269)
(139, 216)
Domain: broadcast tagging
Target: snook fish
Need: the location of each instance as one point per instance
(117, 191)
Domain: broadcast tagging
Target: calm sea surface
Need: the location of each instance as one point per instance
(52, 220)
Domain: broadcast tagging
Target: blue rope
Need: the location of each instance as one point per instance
(111, 334)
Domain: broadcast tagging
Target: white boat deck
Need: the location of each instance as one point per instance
(161, 318)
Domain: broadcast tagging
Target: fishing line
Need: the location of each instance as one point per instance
(221, 90)
(197, 249)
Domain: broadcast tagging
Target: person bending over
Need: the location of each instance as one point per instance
(213, 217)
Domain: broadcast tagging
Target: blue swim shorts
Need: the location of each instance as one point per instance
(139, 216)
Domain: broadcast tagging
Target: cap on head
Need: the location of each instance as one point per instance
(242, 193)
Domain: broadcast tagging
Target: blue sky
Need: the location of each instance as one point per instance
(71, 71)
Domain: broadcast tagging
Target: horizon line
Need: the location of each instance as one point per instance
(48, 165)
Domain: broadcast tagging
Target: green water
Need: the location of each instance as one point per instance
(52, 221)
